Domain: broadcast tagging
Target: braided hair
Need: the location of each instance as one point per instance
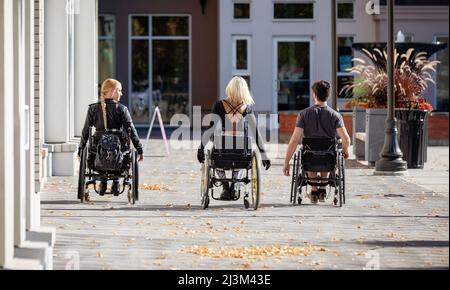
(107, 86)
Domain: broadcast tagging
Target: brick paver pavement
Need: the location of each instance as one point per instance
(388, 222)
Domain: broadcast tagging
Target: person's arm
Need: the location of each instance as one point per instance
(293, 143)
(127, 123)
(205, 138)
(254, 132)
(342, 132)
(89, 122)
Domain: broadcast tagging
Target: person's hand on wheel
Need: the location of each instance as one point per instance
(266, 164)
(345, 154)
(141, 157)
(200, 156)
(286, 170)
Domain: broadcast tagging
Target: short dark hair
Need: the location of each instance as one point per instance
(322, 90)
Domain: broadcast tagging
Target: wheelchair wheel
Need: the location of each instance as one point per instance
(255, 181)
(82, 175)
(206, 176)
(294, 177)
(296, 198)
(134, 178)
(343, 177)
(339, 184)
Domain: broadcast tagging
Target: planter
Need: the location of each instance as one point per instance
(359, 126)
(413, 136)
(375, 134)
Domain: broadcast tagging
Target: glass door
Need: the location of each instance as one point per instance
(292, 74)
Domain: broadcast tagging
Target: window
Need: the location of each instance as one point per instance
(241, 57)
(293, 11)
(409, 37)
(241, 10)
(442, 77)
(160, 66)
(345, 10)
(106, 35)
(293, 74)
(345, 62)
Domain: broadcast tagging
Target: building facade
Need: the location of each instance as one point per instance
(280, 47)
(164, 52)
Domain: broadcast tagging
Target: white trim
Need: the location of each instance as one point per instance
(150, 39)
(275, 41)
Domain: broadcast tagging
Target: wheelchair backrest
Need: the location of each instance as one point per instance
(319, 154)
(232, 144)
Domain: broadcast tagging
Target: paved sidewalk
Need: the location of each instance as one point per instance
(388, 222)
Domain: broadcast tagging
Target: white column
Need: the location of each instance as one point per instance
(6, 135)
(58, 75)
(19, 122)
(33, 207)
(86, 89)
(33, 215)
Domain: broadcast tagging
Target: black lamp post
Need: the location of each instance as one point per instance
(203, 4)
(391, 161)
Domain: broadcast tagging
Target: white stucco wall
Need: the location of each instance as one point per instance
(263, 29)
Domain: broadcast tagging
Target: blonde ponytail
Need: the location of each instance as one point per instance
(107, 86)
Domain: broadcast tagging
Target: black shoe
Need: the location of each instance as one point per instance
(225, 195)
(115, 188)
(314, 196)
(232, 192)
(103, 188)
(322, 194)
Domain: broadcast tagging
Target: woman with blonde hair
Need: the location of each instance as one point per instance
(109, 113)
(230, 111)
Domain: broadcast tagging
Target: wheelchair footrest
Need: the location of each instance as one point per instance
(319, 184)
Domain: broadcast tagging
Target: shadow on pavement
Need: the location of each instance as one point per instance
(407, 244)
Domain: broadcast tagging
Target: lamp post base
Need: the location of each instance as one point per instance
(393, 167)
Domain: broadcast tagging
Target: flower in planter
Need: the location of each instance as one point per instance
(412, 76)
(420, 104)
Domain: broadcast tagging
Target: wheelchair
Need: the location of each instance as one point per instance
(319, 155)
(129, 172)
(240, 157)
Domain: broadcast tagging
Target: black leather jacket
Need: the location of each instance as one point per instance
(118, 118)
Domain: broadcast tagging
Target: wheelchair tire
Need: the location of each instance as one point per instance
(294, 177)
(206, 176)
(82, 175)
(255, 181)
(134, 178)
(298, 181)
(340, 184)
(343, 178)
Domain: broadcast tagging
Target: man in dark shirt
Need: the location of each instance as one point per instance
(318, 121)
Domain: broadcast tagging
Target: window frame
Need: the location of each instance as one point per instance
(249, 2)
(313, 19)
(240, 72)
(150, 39)
(110, 38)
(343, 73)
(435, 96)
(353, 19)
